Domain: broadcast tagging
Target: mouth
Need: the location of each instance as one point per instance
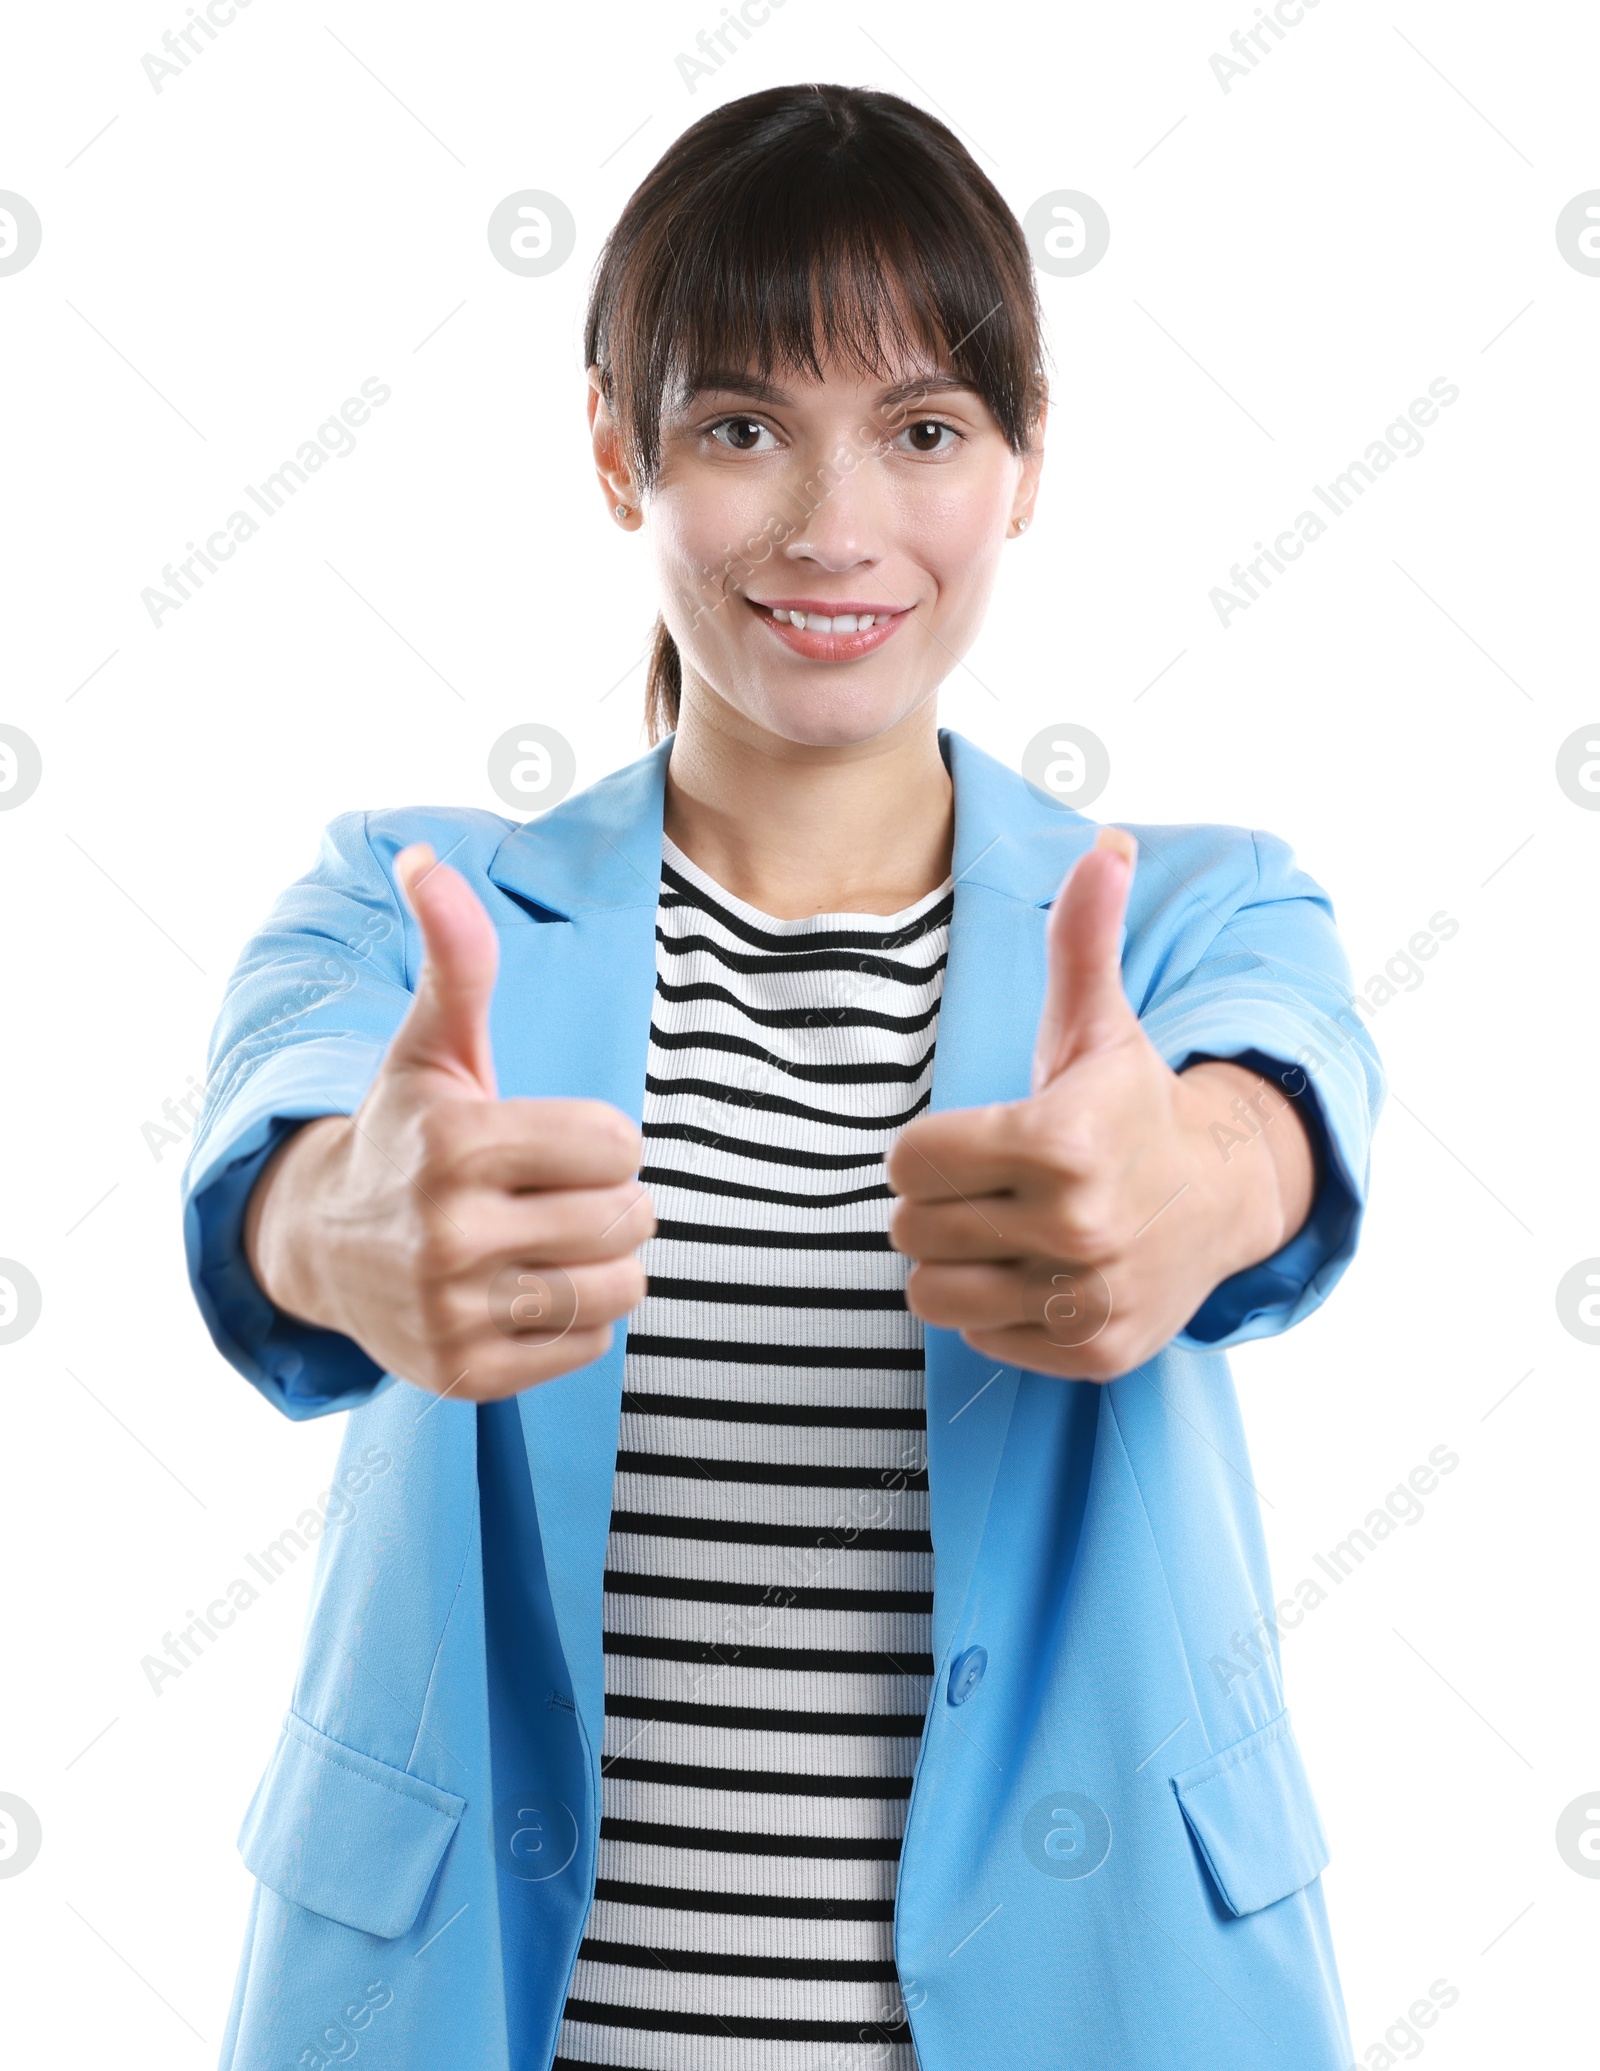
(829, 631)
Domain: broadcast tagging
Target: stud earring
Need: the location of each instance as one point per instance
(1022, 524)
(622, 510)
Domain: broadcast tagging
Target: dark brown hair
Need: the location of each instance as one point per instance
(797, 224)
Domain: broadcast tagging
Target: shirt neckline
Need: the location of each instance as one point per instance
(885, 923)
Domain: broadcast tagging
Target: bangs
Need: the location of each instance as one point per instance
(807, 224)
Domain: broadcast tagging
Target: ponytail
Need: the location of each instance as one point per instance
(663, 690)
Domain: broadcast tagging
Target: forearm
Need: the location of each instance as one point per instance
(1254, 1160)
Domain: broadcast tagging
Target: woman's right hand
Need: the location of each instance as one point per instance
(472, 1245)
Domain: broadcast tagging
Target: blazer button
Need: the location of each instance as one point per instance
(966, 1673)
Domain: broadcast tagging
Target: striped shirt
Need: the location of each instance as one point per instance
(769, 1578)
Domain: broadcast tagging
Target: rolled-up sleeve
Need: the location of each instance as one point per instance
(316, 995)
(1271, 991)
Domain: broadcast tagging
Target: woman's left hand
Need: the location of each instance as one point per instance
(1076, 1232)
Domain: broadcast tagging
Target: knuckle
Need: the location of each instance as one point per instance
(1097, 1361)
(438, 1130)
(1114, 1351)
(580, 1347)
(1071, 1232)
(618, 1218)
(632, 1291)
(440, 1323)
(437, 1170)
(441, 1375)
(1085, 1362)
(909, 1230)
(613, 1133)
(922, 1294)
(611, 1293)
(1082, 1223)
(1062, 1141)
(437, 1254)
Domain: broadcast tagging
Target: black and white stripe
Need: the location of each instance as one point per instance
(769, 1580)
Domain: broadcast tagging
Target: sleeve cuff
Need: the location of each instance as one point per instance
(1269, 1296)
(303, 1370)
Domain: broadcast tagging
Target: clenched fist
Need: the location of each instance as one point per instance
(470, 1244)
(1076, 1232)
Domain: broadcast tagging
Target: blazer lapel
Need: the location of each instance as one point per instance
(571, 1019)
(1009, 859)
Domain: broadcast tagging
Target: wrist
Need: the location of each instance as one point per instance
(282, 1241)
(1236, 1171)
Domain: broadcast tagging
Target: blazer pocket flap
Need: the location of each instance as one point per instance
(344, 1835)
(1253, 1819)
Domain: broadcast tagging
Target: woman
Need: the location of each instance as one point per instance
(824, 1669)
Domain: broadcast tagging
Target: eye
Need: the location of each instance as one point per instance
(921, 441)
(744, 433)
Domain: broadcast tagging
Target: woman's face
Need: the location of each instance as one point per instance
(835, 500)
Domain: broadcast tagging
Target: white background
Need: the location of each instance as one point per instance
(1291, 262)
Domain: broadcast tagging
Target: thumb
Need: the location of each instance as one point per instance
(447, 1028)
(1085, 1006)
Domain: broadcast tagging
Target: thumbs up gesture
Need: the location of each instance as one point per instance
(1077, 1231)
(473, 1245)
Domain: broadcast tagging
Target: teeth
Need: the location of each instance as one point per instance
(819, 622)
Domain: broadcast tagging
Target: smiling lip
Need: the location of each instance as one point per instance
(829, 646)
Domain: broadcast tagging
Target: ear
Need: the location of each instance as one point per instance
(1031, 464)
(616, 483)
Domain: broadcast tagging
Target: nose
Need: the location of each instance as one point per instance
(839, 532)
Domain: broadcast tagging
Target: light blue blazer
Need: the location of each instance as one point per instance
(1112, 1857)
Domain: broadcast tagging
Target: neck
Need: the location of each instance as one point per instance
(795, 829)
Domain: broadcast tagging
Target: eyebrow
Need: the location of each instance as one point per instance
(732, 381)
